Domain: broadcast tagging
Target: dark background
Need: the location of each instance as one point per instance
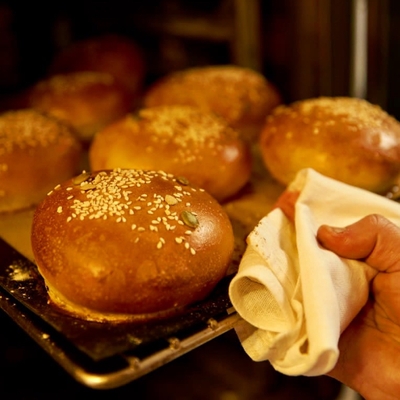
(303, 46)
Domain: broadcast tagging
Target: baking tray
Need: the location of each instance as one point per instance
(107, 355)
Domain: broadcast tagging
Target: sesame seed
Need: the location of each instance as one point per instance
(240, 87)
(28, 129)
(171, 200)
(109, 197)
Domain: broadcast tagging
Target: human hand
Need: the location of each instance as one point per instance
(369, 360)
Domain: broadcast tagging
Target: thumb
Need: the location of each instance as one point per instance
(373, 239)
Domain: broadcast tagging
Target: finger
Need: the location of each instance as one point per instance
(373, 239)
(286, 202)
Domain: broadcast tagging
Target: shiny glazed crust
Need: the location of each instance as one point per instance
(87, 101)
(36, 152)
(240, 95)
(130, 244)
(181, 140)
(347, 139)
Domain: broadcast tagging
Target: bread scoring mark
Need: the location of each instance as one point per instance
(109, 197)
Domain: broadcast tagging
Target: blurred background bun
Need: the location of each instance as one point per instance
(115, 54)
(87, 101)
(182, 140)
(36, 153)
(241, 95)
(345, 138)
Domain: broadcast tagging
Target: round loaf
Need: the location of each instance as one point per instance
(344, 138)
(115, 54)
(120, 245)
(36, 152)
(88, 101)
(242, 96)
(181, 140)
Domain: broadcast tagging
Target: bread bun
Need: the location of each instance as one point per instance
(181, 140)
(240, 95)
(36, 152)
(87, 101)
(118, 245)
(115, 54)
(347, 139)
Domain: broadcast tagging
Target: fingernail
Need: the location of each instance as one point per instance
(335, 229)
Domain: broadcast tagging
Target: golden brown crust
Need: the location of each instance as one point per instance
(36, 152)
(87, 101)
(240, 95)
(181, 140)
(126, 244)
(347, 139)
(111, 53)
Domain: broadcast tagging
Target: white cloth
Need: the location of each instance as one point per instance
(294, 296)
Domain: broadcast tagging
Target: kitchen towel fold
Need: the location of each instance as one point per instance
(295, 297)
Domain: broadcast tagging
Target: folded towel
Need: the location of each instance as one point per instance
(294, 296)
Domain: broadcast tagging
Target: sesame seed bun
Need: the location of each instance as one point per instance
(242, 96)
(347, 139)
(181, 140)
(118, 245)
(36, 152)
(87, 101)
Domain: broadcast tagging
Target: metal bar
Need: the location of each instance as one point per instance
(247, 43)
(359, 50)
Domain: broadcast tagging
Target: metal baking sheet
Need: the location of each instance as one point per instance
(105, 355)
